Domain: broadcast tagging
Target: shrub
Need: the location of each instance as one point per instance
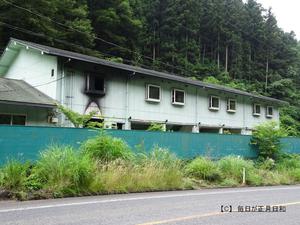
(203, 168)
(107, 148)
(64, 171)
(156, 127)
(14, 175)
(232, 167)
(266, 164)
(266, 138)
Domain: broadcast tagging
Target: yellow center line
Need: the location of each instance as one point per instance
(205, 215)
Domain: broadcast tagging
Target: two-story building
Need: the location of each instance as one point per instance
(129, 97)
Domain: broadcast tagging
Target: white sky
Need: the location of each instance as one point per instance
(287, 14)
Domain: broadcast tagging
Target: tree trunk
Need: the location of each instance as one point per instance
(226, 59)
(203, 54)
(218, 54)
(267, 74)
(154, 50)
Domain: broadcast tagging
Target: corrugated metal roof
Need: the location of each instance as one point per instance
(19, 92)
(139, 70)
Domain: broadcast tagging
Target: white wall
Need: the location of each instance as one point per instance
(113, 104)
(35, 68)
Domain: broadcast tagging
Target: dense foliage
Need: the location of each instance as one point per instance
(222, 41)
(266, 138)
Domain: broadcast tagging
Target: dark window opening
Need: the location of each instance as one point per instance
(95, 85)
(214, 103)
(153, 93)
(120, 126)
(18, 120)
(269, 111)
(5, 119)
(178, 97)
(214, 130)
(13, 119)
(231, 105)
(256, 109)
(52, 73)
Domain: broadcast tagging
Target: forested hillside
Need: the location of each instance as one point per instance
(221, 41)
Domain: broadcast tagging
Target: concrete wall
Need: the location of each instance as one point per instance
(35, 68)
(34, 116)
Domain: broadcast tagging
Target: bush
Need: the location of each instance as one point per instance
(14, 175)
(107, 148)
(156, 127)
(203, 168)
(231, 167)
(266, 138)
(64, 171)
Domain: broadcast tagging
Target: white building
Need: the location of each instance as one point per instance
(130, 97)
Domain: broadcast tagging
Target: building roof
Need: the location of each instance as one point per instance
(138, 70)
(21, 93)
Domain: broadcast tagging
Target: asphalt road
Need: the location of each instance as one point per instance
(178, 207)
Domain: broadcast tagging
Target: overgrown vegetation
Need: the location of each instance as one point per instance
(106, 164)
(156, 127)
(266, 138)
(79, 120)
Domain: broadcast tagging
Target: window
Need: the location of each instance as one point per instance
(95, 84)
(7, 119)
(178, 97)
(214, 103)
(231, 105)
(256, 109)
(153, 93)
(52, 73)
(269, 113)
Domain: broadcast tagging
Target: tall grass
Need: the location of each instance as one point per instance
(159, 170)
(203, 168)
(64, 171)
(107, 148)
(13, 175)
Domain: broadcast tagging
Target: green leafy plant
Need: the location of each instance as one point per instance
(266, 139)
(79, 120)
(107, 148)
(203, 168)
(156, 127)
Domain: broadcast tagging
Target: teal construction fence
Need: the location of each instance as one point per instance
(25, 143)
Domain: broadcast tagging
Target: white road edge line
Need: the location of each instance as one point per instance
(143, 198)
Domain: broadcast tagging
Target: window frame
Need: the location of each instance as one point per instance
(267, 111)
(228, 105)
(11, 118)
(88, 89)
(210, 107)
(254, 109)
(173, 96)
(147, 93)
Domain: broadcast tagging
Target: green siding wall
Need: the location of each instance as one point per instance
(25, 143)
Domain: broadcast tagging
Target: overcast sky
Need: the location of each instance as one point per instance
(286, 12)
